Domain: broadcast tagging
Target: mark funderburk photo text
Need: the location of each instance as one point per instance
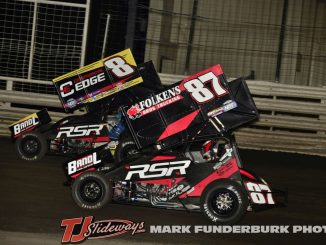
(184, 229)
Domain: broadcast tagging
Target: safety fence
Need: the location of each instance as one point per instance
(42, 39)
(292, 118)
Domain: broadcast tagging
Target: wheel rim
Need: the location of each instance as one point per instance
(224, 203)
(31, 146)
(91, 191)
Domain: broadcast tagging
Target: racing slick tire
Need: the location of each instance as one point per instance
(224, 202)
(31, 146)
(91, 190)
(125, 148)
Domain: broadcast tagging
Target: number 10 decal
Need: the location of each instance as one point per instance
(199, 92)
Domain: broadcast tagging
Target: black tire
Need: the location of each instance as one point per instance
(91, 190)
(126, 148)
(31, 146)
(224, 202)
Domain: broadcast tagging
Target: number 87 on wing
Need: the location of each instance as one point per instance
(208, 88)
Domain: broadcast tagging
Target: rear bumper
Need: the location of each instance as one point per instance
(280, 198)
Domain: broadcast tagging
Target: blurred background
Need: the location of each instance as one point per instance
(272, 40)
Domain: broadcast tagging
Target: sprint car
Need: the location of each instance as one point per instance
(184, 157)
(99, 88)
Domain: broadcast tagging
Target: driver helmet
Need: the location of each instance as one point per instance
(209, 150)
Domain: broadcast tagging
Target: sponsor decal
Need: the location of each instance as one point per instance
(228, 166)
(227, 156)
(120, 87)
(154, 103)
(80, 229)
(227, 106)
(82, 163)
(68, 88)
(71, 103)
(154, 170)
(177, 191)
(25, 125)
(78, 131)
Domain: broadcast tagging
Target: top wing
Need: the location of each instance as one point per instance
(169, 116)
(97, 80)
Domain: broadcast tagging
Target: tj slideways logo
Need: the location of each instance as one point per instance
(79, 229)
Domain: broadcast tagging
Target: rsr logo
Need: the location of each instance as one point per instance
(84, 130)
(162, 169)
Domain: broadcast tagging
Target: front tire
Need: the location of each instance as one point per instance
(31, 146)
(224, 202)
(126, 148)
(91, 190)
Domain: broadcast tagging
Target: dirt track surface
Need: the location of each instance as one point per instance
(33, 200)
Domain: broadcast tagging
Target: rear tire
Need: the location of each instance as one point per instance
(126, 148)
(31, 146)
(224, 202)
(91, 190)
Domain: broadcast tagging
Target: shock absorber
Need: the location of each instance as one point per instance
(129, 191)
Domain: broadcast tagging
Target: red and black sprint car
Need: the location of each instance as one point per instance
(183, 154)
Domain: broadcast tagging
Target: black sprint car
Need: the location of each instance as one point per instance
(100, 89)
(184, 154)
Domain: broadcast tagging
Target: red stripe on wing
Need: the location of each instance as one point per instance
(178, 125)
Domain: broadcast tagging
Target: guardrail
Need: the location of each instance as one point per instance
(292, 118)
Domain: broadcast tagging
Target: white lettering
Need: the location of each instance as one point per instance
(146, 171)
(67, 88)
(20, 127)
(82, 163)
(78, 131)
